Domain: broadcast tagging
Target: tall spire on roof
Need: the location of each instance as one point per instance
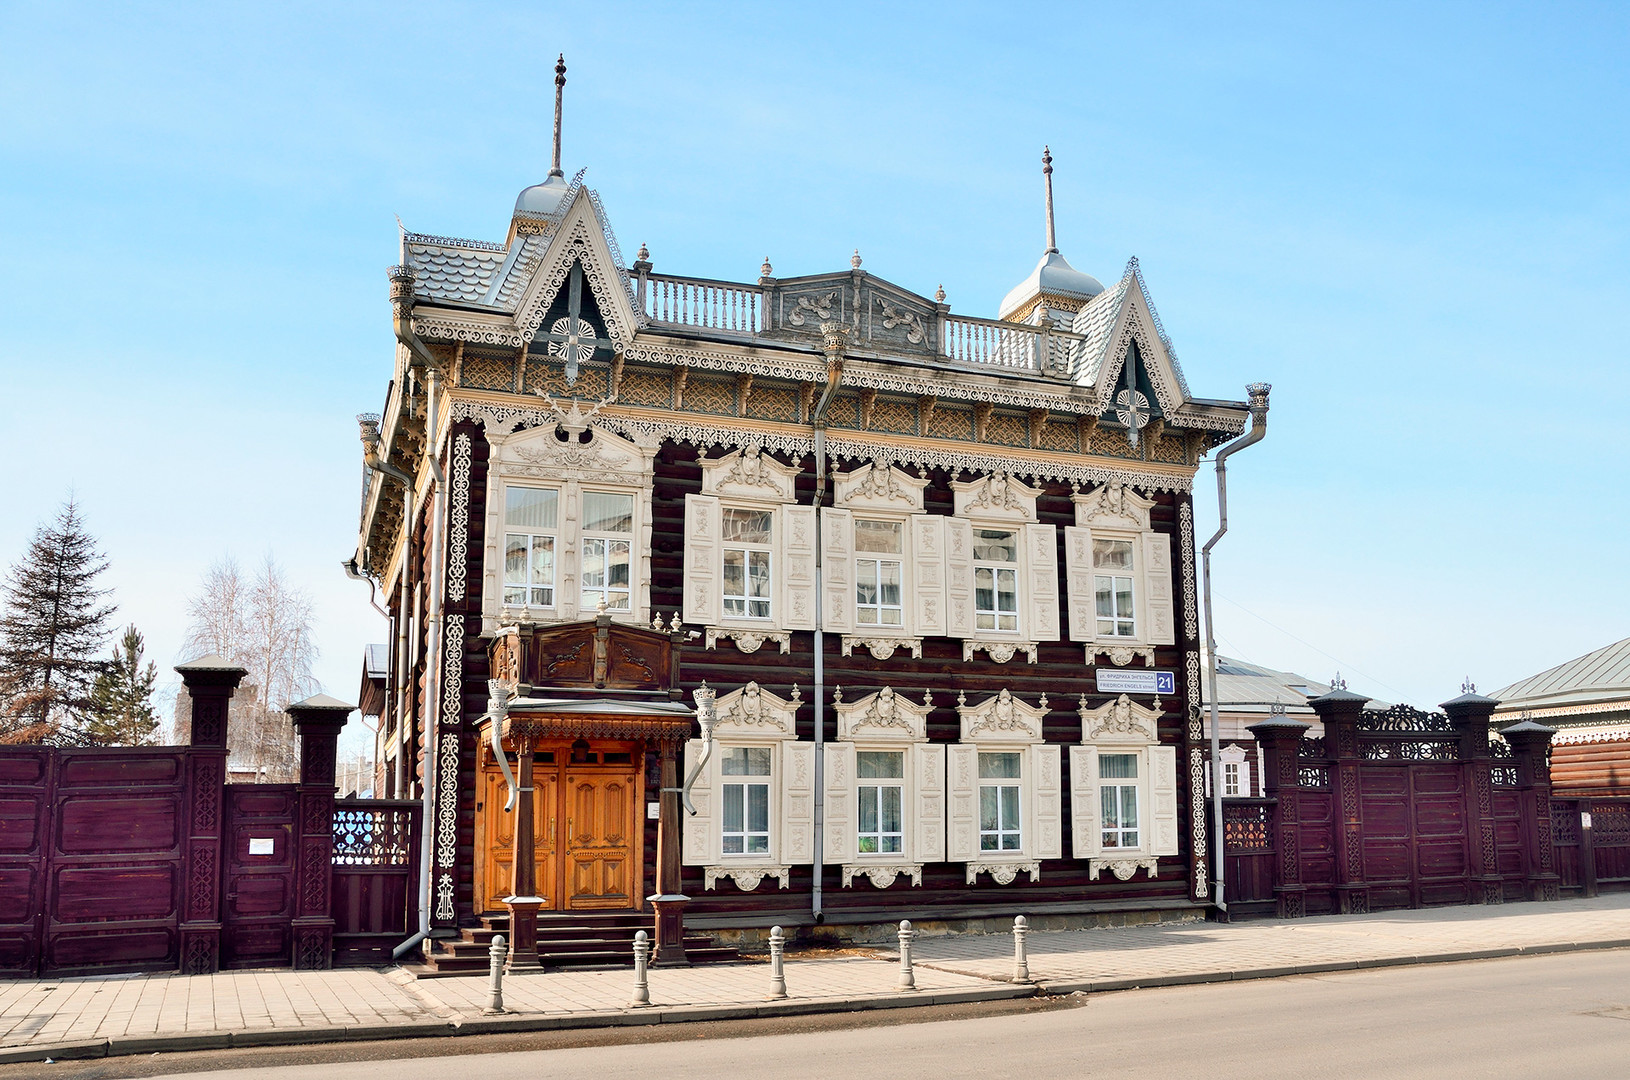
(560, 87)
(1047, 179)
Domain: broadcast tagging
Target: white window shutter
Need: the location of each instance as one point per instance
(1163, 800)
(1078, 582)
(1046, 801)
(1042, 594)
(839, 812)
(797, 572)
(926, 556)
(962, 781)
(959, 611)
(797, 824)
(837, 570)
(1085, 838)
(703, 555)
(928, 802)
(1157, 589)
(701, 839)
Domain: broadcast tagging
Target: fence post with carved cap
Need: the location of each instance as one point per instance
(1279, 738)
(1530, 747)
(318, 721)
(1470, 713)
(210, 681)
(1339, 711)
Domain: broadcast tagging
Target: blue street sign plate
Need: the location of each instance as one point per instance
(1120, 681)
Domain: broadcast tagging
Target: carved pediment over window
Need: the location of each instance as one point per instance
(596, 456)
(755, 711)
(1002, 718)
(749, 473)
(880, 487)
(1113, 506)
(883, 715)
(586, 654)
(996, 496)
(1122, 721)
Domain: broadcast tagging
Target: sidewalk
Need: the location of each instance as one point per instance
(130, 1014)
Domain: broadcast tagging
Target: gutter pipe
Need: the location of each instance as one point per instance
(1258, 394)
(836, 336)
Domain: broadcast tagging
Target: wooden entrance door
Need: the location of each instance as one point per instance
(588, 840)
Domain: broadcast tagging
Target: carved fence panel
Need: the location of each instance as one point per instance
(1248, 858)
(375, 874)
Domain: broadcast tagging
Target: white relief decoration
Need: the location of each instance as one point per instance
(1114, 505)
(444, 896)
(452, 680)
(880, 486)
(893, 316)
(1123, 869)
(756, 710)
(883, 875)
(749, 473)
(999, 651)
(1120, 655)
(881, 648)
(998, 495)
(884, 714)
(747, 878)
(1001, 718)
(1003, 873)
(1185, 520)
(820, 307)
(1120, 721)
(458, 533)
(747, 641)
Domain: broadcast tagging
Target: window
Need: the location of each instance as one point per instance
(529, 545)
(999, 802)
(747, 536)
(1113, 589)
(608, 528)
(746, 798)
(877, 574)
(1231, 778)
(882, 793)
(1118, 792)
(996, 579)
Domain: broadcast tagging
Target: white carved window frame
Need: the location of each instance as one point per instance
(1233, 754)
(1115, 511)
(998, 501)
(877, 492)
(749, 479)
(885, 721)
(1123, 726)
(752, 717)
(537, 458)
(1003, 723)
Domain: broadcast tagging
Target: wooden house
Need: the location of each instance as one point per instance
(938, 570)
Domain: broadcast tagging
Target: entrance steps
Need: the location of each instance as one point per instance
(566, 939)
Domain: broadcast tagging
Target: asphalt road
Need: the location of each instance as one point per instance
(1534, 1017)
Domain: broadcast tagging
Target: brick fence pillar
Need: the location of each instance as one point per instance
(1470, 714)
(1339, 710)
(318, 721)
(1530, 747)
(210, 681)
(1279, 739)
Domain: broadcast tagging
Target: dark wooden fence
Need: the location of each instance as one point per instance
(1400, 808)
(1592, 844)
(144, 859)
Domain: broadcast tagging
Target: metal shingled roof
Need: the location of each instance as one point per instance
(1602, 675)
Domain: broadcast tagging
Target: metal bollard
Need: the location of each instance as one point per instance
(495, 969)
(642, 984)
(908, 980)
(778, 978)
(1021, 961)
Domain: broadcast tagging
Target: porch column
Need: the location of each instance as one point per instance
(1530, 743)
(1339, 711)
(1470, 713)
(1279, 738)
(210, 681)
(523, 901)
(669, 899)
(318, 721)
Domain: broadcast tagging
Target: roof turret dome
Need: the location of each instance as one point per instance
(542, 198)
(1053, 276)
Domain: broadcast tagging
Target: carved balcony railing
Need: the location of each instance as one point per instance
(700, 302)
(999, 344)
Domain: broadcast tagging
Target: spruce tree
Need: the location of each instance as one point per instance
(121, 708)
(52, 630)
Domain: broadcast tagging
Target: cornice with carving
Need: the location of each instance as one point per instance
(1003, 873)
(882, 875)
(747, 878)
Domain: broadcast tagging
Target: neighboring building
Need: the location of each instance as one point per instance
(1588, 701)
(372, 696)
(972, 516)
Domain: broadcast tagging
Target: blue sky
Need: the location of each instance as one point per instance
(1410, 218)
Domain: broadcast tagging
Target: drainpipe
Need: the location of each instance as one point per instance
(1258, 394)
(836, 336)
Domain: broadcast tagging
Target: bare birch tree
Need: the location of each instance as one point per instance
(263, 624)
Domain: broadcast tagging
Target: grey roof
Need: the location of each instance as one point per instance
(456, 270)
(1094, 322)
(1053, 276)
(1599, 676)
(322, 701)
(376, 661)
(211, 662)
(1244, 687)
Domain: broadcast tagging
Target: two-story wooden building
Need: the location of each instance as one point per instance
(939, 571)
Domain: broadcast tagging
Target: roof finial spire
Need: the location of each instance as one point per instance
(560, 86)
(1047, 176)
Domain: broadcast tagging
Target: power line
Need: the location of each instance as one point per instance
(1341, 664)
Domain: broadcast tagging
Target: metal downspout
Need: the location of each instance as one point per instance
(1258, 394)
(835, 338)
